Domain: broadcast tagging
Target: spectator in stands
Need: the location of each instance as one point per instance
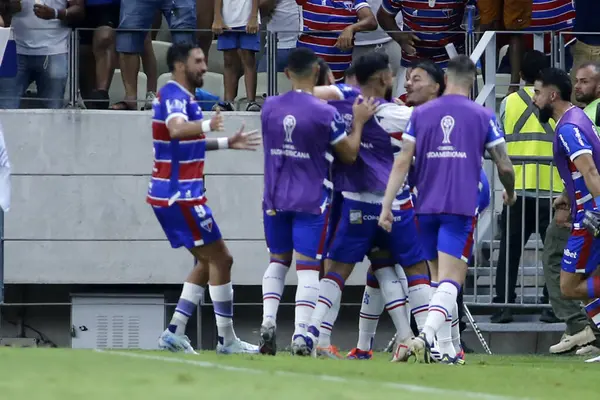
(525, 136)
(378, 40)
(333, 16)
(236, 24)
(434, 28)
(42, 37)
(579, 332)
(284, 17)
(137, 16)
(587, 47)
(511, 15)
(101, 19)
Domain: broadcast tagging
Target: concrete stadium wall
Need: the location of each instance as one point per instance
(78, 203)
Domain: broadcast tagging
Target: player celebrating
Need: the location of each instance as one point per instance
(298, 131)
(176, 194)
(577, 157)
(362, 185)
(447, 137)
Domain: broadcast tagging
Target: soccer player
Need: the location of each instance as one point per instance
(577, 157)
(362, 185)
(299, 131)
(447, 137)
(176, 194)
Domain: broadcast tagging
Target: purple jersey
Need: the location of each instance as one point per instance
(370, 171)
(298, 130)
(575, 135)
(451, 134)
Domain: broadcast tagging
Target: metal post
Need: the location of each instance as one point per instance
(561, 51)
(271, 63)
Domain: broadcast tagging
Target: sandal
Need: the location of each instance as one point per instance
(122, 106)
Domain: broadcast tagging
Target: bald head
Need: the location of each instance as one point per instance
(587, 82)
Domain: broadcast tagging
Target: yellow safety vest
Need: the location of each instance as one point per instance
(527, 136)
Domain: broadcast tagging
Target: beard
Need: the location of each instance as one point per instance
(546, 113)
(195, 79)
(585, 98)
(388, 94)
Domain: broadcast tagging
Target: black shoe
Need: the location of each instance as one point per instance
(98, 100)
(268, 341)
(504, 316)
(549, 317)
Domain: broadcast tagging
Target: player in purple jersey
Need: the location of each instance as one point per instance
(447, 137)
(362, 185)
(176, 194)
(577, 157)
(299, 132)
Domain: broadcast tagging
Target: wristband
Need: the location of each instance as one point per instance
(55, 13)
(223, 143)
(206, 126)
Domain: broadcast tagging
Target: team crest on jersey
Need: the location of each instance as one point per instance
(355, 217)
(349, 6)
(289, 124)
(348, 121)
(447, 125)
(207, 224)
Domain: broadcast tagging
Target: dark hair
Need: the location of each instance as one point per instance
(350, 71)
(179, 52)
(323, 72)
(369, 64)
(434, 71)
(461, 66)
(558, 78)
(533, 63)
(301, 60)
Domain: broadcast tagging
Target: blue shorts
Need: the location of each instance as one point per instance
(138, 15)
(582, 254)
(188, 226)
(450, 234)
(289, 230)
(238, 40)
(357, 233)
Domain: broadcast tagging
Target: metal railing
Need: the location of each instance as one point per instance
(478, 291)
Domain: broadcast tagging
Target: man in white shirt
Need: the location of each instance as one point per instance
(286, 18)
(378, 40)
(42, 37)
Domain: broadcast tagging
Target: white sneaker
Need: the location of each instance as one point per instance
(589, 350)
(238, 346)
(569, 342)
(401, 351)
(593, 360)
(175, 343)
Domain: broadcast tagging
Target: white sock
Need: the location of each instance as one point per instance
(442, 301)
(222, 298)
(191, 295)
(370, 310)
(444, 338)
(456, 330)
(307, 293)
(273, 284)
(419, 292)
(327, 324)
(395, 300)
(330, 291)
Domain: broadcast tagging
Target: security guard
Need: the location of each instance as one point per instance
(525, 136)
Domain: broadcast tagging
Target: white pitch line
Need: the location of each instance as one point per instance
(329, 378)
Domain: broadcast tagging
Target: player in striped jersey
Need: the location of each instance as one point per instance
(434, 28)
(577, 158)
(330, 17)
(176, 194)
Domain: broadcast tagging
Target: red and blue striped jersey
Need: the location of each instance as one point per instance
(178, 173)
(552, 15)
(332, 16)
(434, 26)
